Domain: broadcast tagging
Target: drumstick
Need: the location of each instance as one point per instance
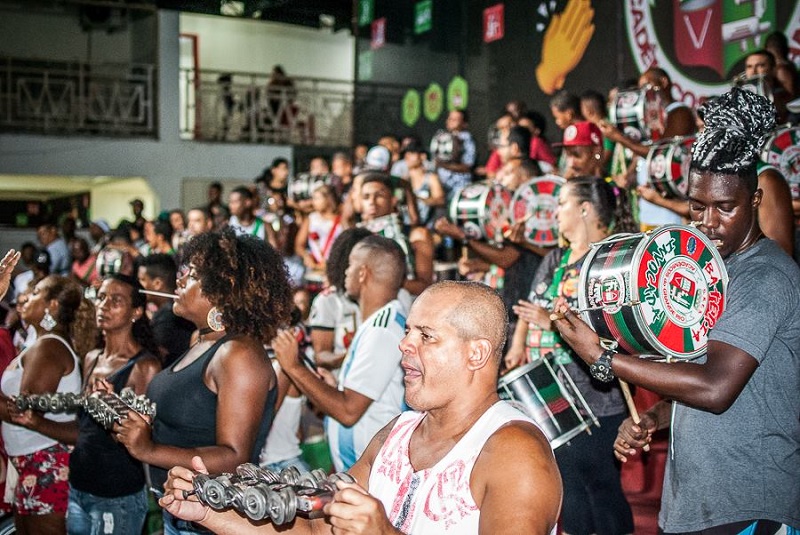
(159, 294)
(626, 392)
(507, 233)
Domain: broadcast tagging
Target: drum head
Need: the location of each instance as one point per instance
(782, 149)
(680, 281)
(537, 199)
(481, 210)
(668, 164)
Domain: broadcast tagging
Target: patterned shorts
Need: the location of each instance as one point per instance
(43, 486)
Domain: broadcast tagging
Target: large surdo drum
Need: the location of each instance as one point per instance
(668, 166)
(548, 395)
(782, 149)
(639, 113)
(537, 200)
(657, 292)
(481, 210)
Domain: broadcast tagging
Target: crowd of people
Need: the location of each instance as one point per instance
(351, 291)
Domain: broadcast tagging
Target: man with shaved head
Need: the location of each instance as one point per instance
(461, 461)
(370, 389)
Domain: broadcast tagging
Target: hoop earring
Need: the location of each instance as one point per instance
(214, 320)
(48, 322)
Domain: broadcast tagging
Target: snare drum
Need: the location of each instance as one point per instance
(668, 166)
(782, 149)
(548, 395)
(639, 113)
(660, 291)
(537, 200)
(481, 210)
(303, 185)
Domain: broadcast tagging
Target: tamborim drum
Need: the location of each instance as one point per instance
(782, 149)
(548, 395)
(660, 291)
(668, 166)
(482, 211)
(537, 200)
(639, 114)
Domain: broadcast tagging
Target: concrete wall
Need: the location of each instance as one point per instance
(231, 44)
(165, 162)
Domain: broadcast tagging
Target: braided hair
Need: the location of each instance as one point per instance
(736, 125)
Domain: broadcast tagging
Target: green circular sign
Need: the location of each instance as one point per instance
(433, 102)
(411, 105)
(457, 94)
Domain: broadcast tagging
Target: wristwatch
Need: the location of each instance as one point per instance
(601, 369)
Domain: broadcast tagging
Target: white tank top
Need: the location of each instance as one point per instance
(438, 499)
(282, 442)
(22, 441)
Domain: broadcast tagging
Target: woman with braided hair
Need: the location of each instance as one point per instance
(217, 400)
(734, 458)
(589, 210)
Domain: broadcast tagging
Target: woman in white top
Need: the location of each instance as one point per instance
(49, 365)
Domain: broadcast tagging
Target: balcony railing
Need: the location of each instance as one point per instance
(77, 98)
(245, 107)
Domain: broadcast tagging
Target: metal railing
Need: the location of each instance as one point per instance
(245, 107)
(71, 97)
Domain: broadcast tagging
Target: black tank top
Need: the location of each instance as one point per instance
(99, 465)
(186, 410)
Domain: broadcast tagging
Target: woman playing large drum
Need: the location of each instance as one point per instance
(589, 210)
(217, 399)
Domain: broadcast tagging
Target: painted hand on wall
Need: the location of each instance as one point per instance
(565, 41)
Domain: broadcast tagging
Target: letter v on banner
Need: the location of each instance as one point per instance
(698, 38)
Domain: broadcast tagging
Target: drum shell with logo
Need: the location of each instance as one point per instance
(549, 397)
(539, 198)
(446, 147)
(782, 150)
(668, 164)
(482, 211)
(657, 292)
(639, 113)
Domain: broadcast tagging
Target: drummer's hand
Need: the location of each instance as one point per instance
(648, 193)
(580, 337)
(515, 357)
(535, 314)
(516, 234)
(610, 131)
(631, 436)
(179, 480)
(446, 227)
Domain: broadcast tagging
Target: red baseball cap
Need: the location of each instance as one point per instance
(582, 134)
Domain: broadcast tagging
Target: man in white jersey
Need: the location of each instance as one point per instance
(370, 389)
(462, 462)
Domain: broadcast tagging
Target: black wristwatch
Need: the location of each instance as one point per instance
(601, 369)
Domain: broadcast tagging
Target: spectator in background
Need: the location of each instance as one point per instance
(172, 333)
(198, 220)
(138, 218)
(424, 182)
(48, 236)
(566, 110)
(457, 173)
(177, 221)
(158, 235)
(84, 263)
(540, 147)
(243, 213)
(218, 210)
(342, 170)
(99, 230)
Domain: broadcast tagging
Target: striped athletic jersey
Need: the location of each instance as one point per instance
(371, 368)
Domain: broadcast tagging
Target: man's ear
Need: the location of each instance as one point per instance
(480, 354)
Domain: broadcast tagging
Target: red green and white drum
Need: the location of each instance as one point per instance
(782, 149)
(668, 166)
(660, 291)
(638, 113)
(537, 200)
(481, 210)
